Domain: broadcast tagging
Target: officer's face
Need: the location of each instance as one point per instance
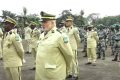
(32, 26)
(8, 26)
(89, 28)
(68, 23)
(47, 25)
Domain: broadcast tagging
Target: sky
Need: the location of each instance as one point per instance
(103, 7)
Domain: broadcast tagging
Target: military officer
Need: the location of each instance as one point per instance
(34, 39)
(13, 52)
(92, 39)
(54, 53)
(1, 36)
(27, 39)
(74, 38)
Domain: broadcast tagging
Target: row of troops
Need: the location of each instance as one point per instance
(55, 50)
(107, 37)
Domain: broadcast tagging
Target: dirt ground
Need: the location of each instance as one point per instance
(105, 69)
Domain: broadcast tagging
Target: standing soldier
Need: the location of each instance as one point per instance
(74, 38)
(102, 43)
(112, 37)
(54, 53)
(1, 36)
(117, 43)
(34, 39)
(12, 50)
(92, 39)
(85, 41)
(27, 39)
(61, 24)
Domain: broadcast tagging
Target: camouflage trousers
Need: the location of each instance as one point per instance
(117, 53)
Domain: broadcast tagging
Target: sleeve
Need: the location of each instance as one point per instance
(1, 33)
(77, 37)
(17, 42)
(66, 50)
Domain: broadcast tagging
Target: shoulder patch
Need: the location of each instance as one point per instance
(17, 38)
(65, 39)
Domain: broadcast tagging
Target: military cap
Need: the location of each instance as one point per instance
(69, 18)
(10, 20)
(45, 16)
(112, 26)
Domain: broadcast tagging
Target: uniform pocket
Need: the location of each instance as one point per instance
(50, 70)
(50, 66)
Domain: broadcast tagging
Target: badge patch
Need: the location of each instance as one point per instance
(65, 39)
(17, 38)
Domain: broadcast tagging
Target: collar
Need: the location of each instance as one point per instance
(70, 27)
(52, 30)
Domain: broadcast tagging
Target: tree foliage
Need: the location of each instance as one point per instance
(109, 20)
(79, 19)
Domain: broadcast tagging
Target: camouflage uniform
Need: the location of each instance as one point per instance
(102, 44)
(117, 46)
(112, 42)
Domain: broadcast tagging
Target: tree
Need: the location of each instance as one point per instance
(24, 15)
(92, 18)
(6, 13)
(81, 19)
(34, 18)
(63, 16)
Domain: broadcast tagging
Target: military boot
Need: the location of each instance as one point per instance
(103, 58)
(99, 55)
(85, 54)
(116, 58)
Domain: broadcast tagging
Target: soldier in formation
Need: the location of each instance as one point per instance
(112, 37)
(27, 39)
(34, 37)
(117, 44)
(101, 47)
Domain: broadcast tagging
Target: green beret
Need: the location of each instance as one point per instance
(46, 16)
(117, 25)
(10, 20)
